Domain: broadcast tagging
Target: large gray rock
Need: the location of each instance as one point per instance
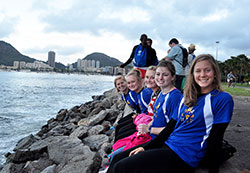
(40, 145)
(25, 142)
(37, 166)
(62, 130)
(12, 168)
(65, 149)
(80, 132)
(61, 114)
(111, 114)
(96, 110)
(95, 130)
(95, 141)
(89, 162)
(96, 119)
(50, 169)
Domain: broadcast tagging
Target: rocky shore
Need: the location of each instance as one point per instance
(78, 140)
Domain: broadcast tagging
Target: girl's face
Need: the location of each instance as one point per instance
(133, 83)
(150, 79)
(121, 85)
(163, 77)
(204, 76)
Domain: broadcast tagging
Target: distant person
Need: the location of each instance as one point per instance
(191, 57)
(149, 43)
(175, 55)
(142, 56)
(230, 79)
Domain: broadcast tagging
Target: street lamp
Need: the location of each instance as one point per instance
(217, 42)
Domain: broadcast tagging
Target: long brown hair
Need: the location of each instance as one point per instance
(192, 89)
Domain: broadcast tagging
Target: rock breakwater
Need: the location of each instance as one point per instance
(75, 141)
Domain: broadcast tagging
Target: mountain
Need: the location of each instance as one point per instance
(8, 54)
(105, 60)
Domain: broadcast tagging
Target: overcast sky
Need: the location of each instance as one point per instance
(76, 28)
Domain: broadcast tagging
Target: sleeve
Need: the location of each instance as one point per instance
(173, 52)
(130, 58)
(214, 144)
(223, 108)
(159, 140)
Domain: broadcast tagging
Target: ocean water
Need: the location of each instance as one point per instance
(29, 99)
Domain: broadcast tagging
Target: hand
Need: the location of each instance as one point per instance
(136, 151)
(134, 116)
(143, 128)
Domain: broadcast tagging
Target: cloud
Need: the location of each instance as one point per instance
(114, 26)
(7, 25)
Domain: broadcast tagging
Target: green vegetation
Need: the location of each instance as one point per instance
(237, 90)
(240, 66)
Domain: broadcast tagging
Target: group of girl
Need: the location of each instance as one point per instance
(182, 129)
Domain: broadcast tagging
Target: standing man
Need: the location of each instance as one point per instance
(142, 56)
(175, 55)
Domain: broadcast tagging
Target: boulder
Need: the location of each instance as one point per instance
(96, 119)
(65, 149)
(12, 168)
(37, 166)
(89, 162)
(80, 132)
(25, 142)
(95, 141)
(50, 169)
(95, 130)
(61, 114)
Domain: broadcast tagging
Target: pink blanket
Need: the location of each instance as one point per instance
(134, 139)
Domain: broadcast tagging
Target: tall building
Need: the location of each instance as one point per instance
(51, 58)
(97, 64)
(79, 64)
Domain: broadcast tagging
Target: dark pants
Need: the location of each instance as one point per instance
(125, 128)
(160, 160)
(178, 81)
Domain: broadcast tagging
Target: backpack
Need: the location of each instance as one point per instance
(185, 57)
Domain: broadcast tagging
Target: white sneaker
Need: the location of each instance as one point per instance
(104, 170)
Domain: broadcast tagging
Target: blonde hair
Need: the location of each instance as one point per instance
(121, 77)
(152, 67)
(192, 89)
(136, 73)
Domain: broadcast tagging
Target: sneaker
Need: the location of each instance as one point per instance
(103, 170)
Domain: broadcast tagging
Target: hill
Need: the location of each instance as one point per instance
(105, 60)
(8, 54)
